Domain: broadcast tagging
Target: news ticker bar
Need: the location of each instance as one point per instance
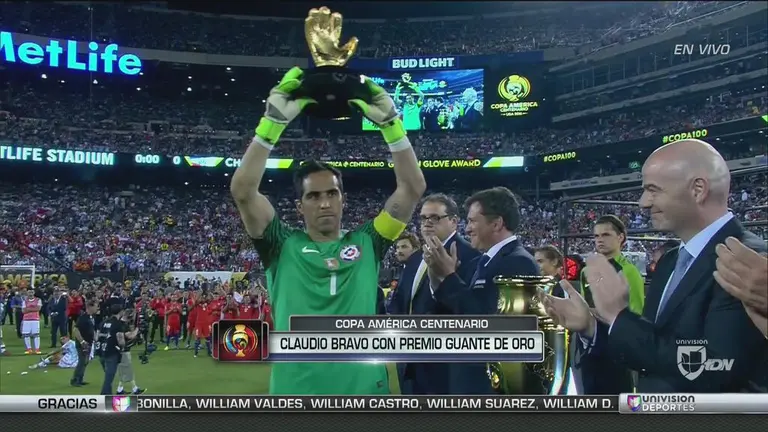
(62, 157)
(730, 403)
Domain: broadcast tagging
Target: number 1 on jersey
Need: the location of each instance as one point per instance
(333, 283)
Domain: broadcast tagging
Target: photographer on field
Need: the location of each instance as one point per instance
(125, 374)
(143, 317)
(110, 341)
(84, 332)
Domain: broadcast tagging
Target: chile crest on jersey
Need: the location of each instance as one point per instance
(350, 253)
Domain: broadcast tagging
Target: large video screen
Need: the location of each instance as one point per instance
(517, 97)
(434, 100)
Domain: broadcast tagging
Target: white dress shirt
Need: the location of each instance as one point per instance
(422, 270)
(494, 250)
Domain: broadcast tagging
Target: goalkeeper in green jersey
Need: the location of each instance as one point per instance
(410, 109)
(610, 238)
(323, 270)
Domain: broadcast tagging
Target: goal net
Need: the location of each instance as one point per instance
(19, 275)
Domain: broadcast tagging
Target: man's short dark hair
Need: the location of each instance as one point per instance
(410, 238)
(498, 202)
(616, 223)
(310, 167)
(551, 253)
(115, 309)
(451, 208)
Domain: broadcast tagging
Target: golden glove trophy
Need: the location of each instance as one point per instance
(519, 295)
(330, 83)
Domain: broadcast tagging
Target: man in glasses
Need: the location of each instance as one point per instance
(438, 218)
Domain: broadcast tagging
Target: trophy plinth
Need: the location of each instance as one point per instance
(519, 295)
(330, 83)
(331, 87)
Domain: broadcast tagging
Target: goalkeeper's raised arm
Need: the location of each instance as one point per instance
(410, 180)
(255, 209)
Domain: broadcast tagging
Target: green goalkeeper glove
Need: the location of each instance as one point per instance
(281, 107)
(381, 111)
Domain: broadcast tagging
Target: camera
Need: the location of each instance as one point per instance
(138, 320)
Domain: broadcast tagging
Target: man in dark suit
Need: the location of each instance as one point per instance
(58, 313)
(439, 218)
(405, 246)
(127, 301)
(493, 216)
(688, 318)
(743, 272)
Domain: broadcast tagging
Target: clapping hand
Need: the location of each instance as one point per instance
(742, 272)
(571, 312)
(441, 262)
(610, 289)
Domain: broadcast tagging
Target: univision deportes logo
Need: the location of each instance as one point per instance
(661, 403)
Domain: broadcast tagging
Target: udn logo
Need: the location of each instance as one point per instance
(703, 49)
(692, 361)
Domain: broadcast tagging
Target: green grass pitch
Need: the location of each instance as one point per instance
(173, 372)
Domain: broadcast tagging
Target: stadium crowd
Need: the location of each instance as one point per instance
(109, 124)
(141, 232)
(163, 229)
(554, 26)
(666, 83)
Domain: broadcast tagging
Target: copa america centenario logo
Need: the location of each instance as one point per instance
(240, 340)
(514, 88)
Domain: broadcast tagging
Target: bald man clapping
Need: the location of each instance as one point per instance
(687, 318)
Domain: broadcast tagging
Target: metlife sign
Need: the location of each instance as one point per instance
(424, 63)
(104, 59)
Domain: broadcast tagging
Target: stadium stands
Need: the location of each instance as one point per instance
(609, 86)
(54, 115)
(165, 228)
(156, 28)
(180, 109)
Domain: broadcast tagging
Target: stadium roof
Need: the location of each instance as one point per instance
(357, 9)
